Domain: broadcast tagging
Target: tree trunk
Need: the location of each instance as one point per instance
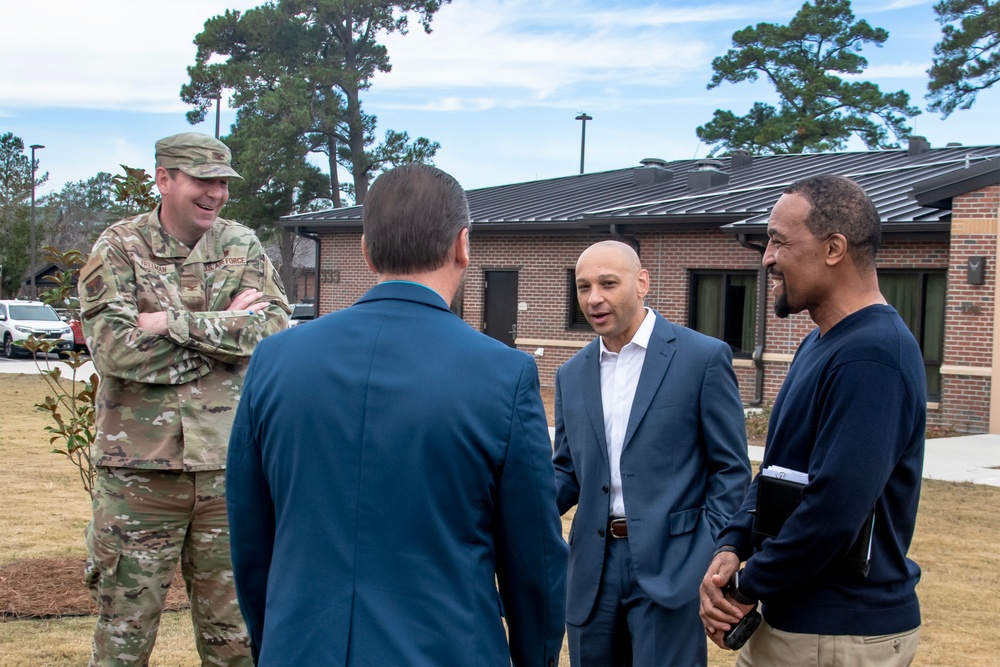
(355, 129)
(356, 134)
(331, 145)
(288, 271)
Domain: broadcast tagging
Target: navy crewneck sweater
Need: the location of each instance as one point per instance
(851, 413)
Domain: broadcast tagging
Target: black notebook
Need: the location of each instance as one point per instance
(777, 498)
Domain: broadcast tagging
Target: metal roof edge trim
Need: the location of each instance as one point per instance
(784, 182)
(674, 219)
(936, 191)
(326, 226)
(743, 227)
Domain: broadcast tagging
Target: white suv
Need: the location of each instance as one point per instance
(21, 319)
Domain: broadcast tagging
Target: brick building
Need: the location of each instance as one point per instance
(700, 228)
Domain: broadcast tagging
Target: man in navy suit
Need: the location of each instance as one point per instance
(651, 447)
(390, 468)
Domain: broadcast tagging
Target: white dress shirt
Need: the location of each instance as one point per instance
(619, 378)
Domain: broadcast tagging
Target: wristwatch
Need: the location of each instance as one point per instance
(733, 589)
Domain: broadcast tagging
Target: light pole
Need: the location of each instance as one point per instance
(583, 135)
(218, 112)
(34, 147)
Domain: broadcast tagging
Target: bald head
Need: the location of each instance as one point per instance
(610, 287)
(616, 251)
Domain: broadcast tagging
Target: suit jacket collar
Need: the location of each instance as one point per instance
(591, 383)
(659, 354)
(405, 291)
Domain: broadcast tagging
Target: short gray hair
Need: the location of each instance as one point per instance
(411, 217)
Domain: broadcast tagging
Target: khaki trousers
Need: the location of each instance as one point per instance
(768, 647)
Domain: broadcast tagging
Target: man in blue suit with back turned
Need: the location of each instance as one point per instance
(651, 447)
(390, 468)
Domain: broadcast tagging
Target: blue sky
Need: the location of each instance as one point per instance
(498, 83)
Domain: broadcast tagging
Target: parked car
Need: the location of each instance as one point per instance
(79, 342)
(72, 319)
(19, 320)
(301, 312)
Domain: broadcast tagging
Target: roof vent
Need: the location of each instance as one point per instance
(953, 144)
(653, 170)
(707, 164)
(918, 146)
(740, 159)
(706, 174)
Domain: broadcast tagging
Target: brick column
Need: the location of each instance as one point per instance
(971, 361)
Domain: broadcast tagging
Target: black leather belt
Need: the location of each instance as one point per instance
(618, 528)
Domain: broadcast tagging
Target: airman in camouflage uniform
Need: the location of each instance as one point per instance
(173, 302)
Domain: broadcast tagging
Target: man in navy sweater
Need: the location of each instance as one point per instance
(851, 414)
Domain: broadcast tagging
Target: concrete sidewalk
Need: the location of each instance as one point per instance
(28, 367)
(969, 458)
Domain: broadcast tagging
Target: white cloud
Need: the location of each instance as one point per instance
(907, 70)
(444, 104)
(103, 53)
(904, 70)
(533, 52)
(121, 54)
(899, 4)
(498, 82)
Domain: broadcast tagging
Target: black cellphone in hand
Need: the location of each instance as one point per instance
(738, 635)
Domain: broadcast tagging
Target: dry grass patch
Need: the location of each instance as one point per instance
(66, 642)
(46, 510)
(45, 506)
(956, 545)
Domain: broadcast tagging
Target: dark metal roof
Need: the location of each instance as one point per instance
(911, 191)
(938, 190)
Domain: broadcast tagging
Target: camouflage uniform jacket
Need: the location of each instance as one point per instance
(168, 402)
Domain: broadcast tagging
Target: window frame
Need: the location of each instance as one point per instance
(726, 274)
(576, 319)
(921, 336)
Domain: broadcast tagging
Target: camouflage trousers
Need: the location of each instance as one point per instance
(144, 522)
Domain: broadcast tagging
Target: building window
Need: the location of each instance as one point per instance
(919, 298)
(723, 305)
(575, 319)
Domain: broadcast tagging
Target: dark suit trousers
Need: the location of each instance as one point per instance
(626, 627)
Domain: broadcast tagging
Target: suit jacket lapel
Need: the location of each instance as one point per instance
(654, 368)
(592, 395)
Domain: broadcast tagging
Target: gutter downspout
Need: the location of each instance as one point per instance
(758, 350)
(315, 239)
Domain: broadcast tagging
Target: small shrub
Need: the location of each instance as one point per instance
(71, 403)
(757, 419)
(941, 431)
(71, 406)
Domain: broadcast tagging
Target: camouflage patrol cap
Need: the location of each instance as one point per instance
(197, 155)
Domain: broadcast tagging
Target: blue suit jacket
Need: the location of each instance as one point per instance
(684, 464)
(387, 467)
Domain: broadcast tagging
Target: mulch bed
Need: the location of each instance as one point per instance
(53, 588)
